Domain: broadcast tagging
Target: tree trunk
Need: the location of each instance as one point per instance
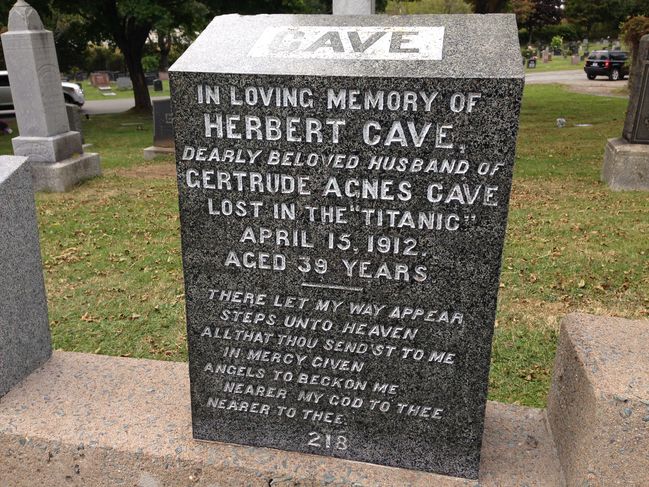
(131, 41)
(140, 89)
(164, 45)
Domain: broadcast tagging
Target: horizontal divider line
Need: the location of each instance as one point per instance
(331, 286)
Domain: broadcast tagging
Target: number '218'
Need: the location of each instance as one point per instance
(320, 440)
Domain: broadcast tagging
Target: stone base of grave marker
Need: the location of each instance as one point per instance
(153, 151)
(47, 149)
(72, 165)
(66, 429)
(626, 166)
(61, 176)
(24, 330)
(140, 433)
(598, 406)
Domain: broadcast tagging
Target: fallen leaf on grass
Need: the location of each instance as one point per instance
(88, 318)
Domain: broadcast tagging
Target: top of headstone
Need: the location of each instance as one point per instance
(9, 165)
(420, 46)
(22, 16)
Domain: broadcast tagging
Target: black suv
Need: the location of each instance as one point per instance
(613, 64)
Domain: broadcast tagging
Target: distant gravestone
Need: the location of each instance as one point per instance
(157, 85)
(531, 63)
(344, 186)
(55, 152)
(124, 83)
(163, 135)
(626, 159)
(24, 329)
(100, 78)
(74, 118)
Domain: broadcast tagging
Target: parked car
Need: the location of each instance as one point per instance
(614, 64)
(72, 93)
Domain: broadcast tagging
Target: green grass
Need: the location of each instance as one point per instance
(112, 253)
(572, 244)
(92, 93)
(558, 63)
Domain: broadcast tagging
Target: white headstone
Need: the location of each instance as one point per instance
(54, 151)
(354, 7)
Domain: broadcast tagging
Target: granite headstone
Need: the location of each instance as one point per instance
(163, 134)
(74, 119)
(55, 152)
(24, 327)
(124, 83)
(100, 78)
(343, 187)
(636, 124)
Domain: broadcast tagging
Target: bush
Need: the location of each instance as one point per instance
(567, 32)
(102, 58)
(402, 7)
(632, 31)
(150, 63)
(527, 53)
(556, 43)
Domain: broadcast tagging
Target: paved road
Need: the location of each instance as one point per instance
(97, 107)
(576, 76)
(573, 77)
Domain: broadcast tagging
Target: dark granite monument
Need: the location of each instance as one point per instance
(636, 124)
(344, 186)
(626, 158)
(163, 133)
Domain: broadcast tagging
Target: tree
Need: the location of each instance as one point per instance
(546, 12)
(609, 13)
(128, 23)
(400, 7)
(489, 6)
(541, 14)
(523, 9)
(632, 31)
(70, 36)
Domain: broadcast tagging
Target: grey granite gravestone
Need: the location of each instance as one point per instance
(636, 123)
(74, 119)
(54, 151)
(124, 83)
(626, 158)
(24, 328)
(163, 134)
(354, 7)
(343, 187)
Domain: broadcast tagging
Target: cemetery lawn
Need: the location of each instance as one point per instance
(92, 93)
(111, 248)
(558, 63)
